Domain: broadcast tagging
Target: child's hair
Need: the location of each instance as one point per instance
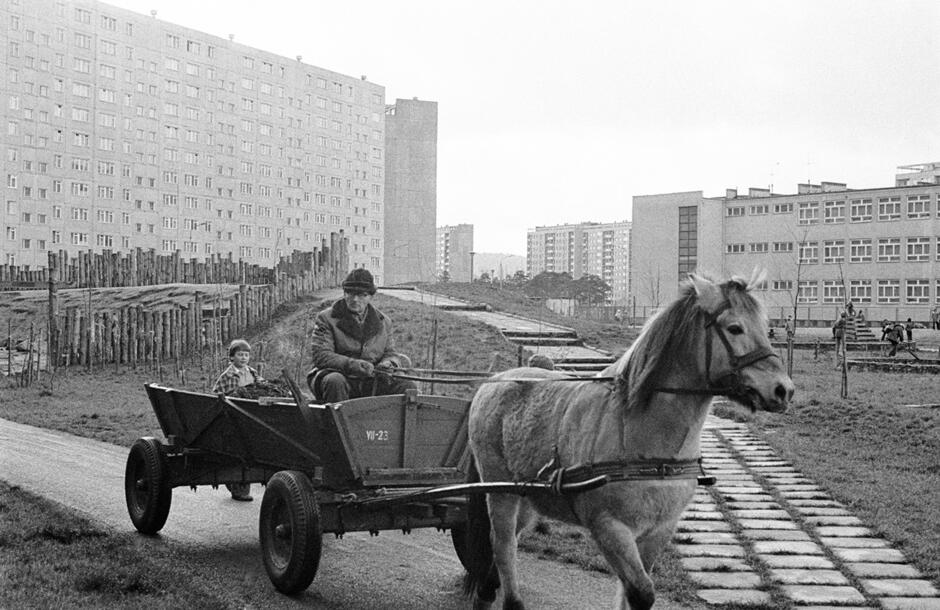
(238, 345)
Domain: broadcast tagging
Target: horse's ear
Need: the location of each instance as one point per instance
(758, 276)
(701, 284)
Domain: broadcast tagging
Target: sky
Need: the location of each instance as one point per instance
(553, 112)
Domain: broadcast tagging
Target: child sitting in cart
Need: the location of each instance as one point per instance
(237, 375)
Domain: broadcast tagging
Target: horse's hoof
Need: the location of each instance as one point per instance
(513, 604)
(479, 604)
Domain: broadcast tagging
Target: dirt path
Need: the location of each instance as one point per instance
(220, 536)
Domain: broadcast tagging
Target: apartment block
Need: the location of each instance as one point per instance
(821, 247)
(587, 248)
(124, 131)
(455, 253)
(410, 191)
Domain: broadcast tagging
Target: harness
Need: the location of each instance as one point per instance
(730, 382)
(661, 469)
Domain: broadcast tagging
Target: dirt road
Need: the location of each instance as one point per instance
(220, 538)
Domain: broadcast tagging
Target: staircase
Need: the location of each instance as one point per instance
(858, 333)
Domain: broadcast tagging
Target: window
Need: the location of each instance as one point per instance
(889, 291)
(860, 291)
(833, 291)
(860, 251)
(834, 251)
(809, 252)
(834, 212)
(918, 249)
(808, 292)
(808, 213)
(783, 246)
(782, 285)
(917, 291)
(889, 208)
(758, 247)
(889, 250)
(918, 206)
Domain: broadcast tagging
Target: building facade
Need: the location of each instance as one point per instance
(410, 191)
(125, 131)
(820, 248)
(587, 248)
(455, 253)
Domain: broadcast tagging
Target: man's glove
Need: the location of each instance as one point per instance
(361, 368)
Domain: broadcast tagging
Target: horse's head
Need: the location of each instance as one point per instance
(736, 357)
(711, 340)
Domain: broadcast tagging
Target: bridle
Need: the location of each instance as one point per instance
(730, 382)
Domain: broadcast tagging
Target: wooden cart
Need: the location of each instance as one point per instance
(368, 464)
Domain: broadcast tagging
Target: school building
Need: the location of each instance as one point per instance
(821, 247)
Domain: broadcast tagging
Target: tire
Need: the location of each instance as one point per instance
(458, 534)
(290, 531)
(146, 488)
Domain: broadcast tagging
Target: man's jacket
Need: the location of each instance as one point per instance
(339, 339)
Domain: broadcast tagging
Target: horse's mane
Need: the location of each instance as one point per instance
(671, 330)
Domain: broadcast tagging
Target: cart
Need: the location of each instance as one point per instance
(395, 462)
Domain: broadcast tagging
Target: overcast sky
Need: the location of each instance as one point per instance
(554, 111)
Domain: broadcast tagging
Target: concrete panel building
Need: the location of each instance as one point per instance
(410, 191)
(122, 131)
(821, 247)
(587, 248)
(455, 253)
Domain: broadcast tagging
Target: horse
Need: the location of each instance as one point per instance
(638, 424)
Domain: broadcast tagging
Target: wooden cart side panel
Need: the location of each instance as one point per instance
(422, 438)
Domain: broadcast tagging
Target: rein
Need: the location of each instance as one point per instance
(729, 382)
(623, 470)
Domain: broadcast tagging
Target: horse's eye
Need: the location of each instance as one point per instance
(735, 329)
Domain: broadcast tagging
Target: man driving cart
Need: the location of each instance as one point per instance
(352, 347)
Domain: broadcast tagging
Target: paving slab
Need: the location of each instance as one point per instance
(797, 576)
(854, 543)
(797, 561)
(804, 495)
(821, 510)
(910, 603)
(823, 594)
(721, 564)
(763, 513)
(767, 524)
(870, 555)
(729, 490)
(833, 520)
(845, 531)
(710, 550)
(815, 502)
(705, 538)
(896, 587)
(883, 570)
(786, 547)
(704, 515)
(743, 597)
(776, 535)
(694, 525)
(745, 505)
(726, 580)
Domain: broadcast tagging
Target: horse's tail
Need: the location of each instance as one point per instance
(481, 577)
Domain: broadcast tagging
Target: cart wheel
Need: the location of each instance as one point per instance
(458, 534)
(289, 527)
(146, 488)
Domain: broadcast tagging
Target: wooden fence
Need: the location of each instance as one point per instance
(92, 335)
(146, 268)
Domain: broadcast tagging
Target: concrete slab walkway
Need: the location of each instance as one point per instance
(767, 534)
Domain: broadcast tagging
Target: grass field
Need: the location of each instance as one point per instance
(871, 452)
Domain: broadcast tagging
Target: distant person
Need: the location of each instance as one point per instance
(894, 336)
(238, 375)
(850, 309)
(618, 315)
(541, 361)
(885, 328)
(789, 327)
(352, 347)
(935, 317)
(838, 333)
(909, 329)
